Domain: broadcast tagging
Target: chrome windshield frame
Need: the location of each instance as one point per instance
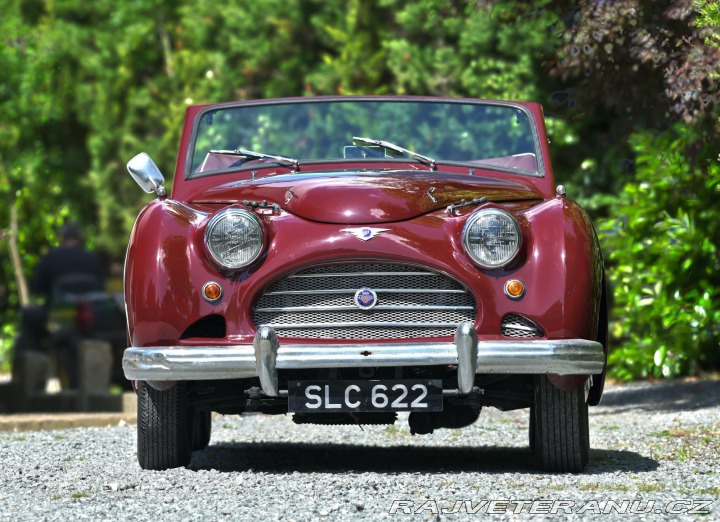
(540, 173)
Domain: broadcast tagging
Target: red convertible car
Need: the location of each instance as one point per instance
(344, 259)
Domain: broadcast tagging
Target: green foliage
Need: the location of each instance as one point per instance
(663, 256)
(86, 85)
(483, 50)
(709, 16)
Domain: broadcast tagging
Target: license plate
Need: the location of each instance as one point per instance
(385, 395)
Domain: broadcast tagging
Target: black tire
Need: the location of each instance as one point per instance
(562, 435)
(202, 429)
(163, 429)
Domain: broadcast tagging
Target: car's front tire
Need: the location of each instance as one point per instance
(163, 431)
(561, 428)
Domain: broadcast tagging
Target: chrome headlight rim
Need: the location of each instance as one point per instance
(466, 232)
(224, 214)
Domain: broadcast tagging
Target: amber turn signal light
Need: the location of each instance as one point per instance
(212, 291)
(514, 289)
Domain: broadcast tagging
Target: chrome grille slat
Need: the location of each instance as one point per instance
(354, 268)
(365, 323)
(353, 308)
(316, 299)
(360, 274)
(384, 290)
(415, 281)
(369, 334)
(413, 302)
(363, 316)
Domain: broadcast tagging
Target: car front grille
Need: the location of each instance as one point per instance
(514, 325)
(319, 303)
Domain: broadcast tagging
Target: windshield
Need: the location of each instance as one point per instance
(493, 136)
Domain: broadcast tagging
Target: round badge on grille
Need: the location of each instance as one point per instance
(365, 298)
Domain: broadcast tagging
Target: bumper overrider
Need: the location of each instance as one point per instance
(265, 357)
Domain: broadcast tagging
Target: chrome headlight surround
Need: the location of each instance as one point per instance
(482, 247)
(237, 229)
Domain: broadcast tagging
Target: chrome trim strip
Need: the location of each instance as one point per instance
(378, 290)
(362, 324)
(561, 357)
(169, 363)
(163, 363)
(354, 308)
(358, 274)
(364, 355)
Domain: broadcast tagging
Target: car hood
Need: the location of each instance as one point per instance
(366, 197)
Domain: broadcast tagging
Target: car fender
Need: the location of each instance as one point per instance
(566, 267)
(164, 270)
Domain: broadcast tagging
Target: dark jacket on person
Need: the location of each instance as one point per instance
(74, 267)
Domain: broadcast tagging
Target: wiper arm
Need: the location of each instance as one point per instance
(282, 160)
(397, 148)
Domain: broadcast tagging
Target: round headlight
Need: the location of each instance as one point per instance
(492, 238)
(234, 238)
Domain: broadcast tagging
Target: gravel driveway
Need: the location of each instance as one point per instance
(653, 445)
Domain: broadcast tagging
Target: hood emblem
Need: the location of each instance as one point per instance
(364, 233)
(365, 298)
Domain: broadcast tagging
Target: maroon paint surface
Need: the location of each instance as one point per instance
(167, 262)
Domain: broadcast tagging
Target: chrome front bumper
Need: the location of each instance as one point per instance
(265, 357)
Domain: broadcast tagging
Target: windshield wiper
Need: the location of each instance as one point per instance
(397, 148)
(282, 160)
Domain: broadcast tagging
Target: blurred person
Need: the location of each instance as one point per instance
(70, 268)
(62, 274)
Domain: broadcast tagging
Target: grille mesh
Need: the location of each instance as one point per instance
(325, 289)
(514, 325)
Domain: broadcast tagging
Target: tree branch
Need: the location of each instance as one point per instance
(20, 278)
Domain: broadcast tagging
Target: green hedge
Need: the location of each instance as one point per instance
(661, 247)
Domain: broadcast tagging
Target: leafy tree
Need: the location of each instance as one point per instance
(37, 181)
(665, 264)
(86, 85)
(665, 260)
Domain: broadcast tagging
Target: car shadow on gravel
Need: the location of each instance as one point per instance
(289, 457)
(663, 396)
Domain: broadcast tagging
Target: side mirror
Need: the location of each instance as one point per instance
(144, 171)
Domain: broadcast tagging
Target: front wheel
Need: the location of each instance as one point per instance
(561, 429)
(162, 427)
